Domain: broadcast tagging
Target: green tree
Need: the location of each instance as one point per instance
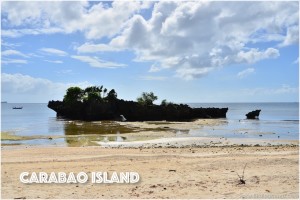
(104, 92)
(147, 98)
(93, 93)
(164, 102)
(95, 89)
(112, 95)
(93, 96)
(74, 94)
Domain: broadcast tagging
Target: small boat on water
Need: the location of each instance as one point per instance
(17, 107)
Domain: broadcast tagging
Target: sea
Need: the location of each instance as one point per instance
(36, 124)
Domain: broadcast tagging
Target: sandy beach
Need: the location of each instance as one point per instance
(171, 163)
(166, 172)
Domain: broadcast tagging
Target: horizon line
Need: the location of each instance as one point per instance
(189, 102)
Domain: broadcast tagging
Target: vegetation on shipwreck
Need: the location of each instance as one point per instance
(96, 103)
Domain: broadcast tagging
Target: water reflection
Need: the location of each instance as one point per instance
(79, 133)
(55, 126)
(57, 131)
(97, 127)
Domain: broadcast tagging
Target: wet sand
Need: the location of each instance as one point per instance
(114, 134)
(166, 172)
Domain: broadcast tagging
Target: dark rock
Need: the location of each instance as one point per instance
(133, 111)
(253, 114)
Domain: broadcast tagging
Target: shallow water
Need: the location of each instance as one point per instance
(287, 130)
(38, 125)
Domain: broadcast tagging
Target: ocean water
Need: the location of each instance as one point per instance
(276, 121)
(36, 120)
(33, 119)
(270, 111)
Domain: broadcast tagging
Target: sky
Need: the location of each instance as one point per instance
(183, 51)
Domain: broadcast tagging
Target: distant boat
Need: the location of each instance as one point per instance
(17, 107)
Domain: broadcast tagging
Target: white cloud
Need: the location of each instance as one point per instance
(7, 61)
(245, 73)
(254, 55)
(66, 71)
(30, 89)
(7, 54)
(92, 48)
(194, 38)
(9, 45)
(13, 33)
(55, 61)
(292, 36)
(109, 20)
(54, 51)
(18, 13)
(13, 53)
(96, 62)
(189, 73)
(95, 20)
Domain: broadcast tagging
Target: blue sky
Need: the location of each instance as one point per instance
(182, 51)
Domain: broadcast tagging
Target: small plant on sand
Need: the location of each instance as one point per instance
(242, 181)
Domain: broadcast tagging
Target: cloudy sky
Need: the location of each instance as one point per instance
(182, 51)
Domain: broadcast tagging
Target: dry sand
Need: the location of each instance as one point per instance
(196, 172)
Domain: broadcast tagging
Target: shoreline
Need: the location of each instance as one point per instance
(174, 142)
(187, 142)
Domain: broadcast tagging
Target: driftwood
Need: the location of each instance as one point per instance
(241, 178)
